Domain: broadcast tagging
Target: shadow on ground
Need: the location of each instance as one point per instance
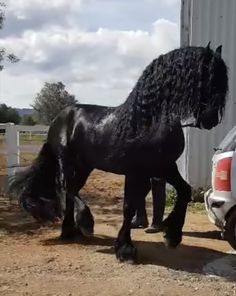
(184, 258)
(214, 234)
(187, 257)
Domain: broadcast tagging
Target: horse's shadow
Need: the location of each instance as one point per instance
(213, 234)
(98, 240)
(186, 258)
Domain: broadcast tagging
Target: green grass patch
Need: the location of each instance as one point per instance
(197, 205)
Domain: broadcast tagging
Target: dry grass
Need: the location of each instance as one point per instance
(25, 160)
(25, 157)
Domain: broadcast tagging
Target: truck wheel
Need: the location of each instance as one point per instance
(230, 229)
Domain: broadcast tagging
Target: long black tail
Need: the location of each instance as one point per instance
(39, 187)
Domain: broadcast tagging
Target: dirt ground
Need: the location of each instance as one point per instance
(33, 261)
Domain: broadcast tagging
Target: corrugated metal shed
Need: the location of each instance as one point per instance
(203, 21)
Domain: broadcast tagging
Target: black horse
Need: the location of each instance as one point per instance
(141, 139)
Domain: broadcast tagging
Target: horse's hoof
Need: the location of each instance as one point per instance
(127, 253)
(154, 229)
(87, 232)
(172, 241)
(139, 222)
(68, 234)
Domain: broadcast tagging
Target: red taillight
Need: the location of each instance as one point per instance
(223, 174)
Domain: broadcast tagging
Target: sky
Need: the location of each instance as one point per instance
(97, 48)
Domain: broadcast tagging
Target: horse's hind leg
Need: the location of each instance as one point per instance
(77, 214)
(140, 219)
(173, 224)
(135, 191)
(84, 221)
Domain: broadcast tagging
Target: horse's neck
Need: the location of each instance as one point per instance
(130, 130)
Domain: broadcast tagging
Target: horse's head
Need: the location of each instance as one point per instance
(213, 92)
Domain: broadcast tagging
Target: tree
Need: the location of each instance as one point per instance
(4, 55)
(28, 120)
(51, 100)
(2, 15)
(8, 114)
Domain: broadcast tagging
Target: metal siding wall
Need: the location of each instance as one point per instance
(215, 21)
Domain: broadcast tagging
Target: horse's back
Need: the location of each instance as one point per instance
(85, 130)
(90, 132)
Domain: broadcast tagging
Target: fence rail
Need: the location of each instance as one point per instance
(13, 147)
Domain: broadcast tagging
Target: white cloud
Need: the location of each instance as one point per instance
(23, 9)
(170, 2)
(99, 66)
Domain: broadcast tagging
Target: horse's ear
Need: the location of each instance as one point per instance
(208, 47)
(219, 50)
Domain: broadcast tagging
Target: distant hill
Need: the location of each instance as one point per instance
(24, 111)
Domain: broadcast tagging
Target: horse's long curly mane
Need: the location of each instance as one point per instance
(178, 84)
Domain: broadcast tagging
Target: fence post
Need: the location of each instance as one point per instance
(13, 150)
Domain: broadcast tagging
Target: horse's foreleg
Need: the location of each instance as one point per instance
(173, 224)
(135, 189)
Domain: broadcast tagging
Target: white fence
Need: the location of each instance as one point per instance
(13, 147)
